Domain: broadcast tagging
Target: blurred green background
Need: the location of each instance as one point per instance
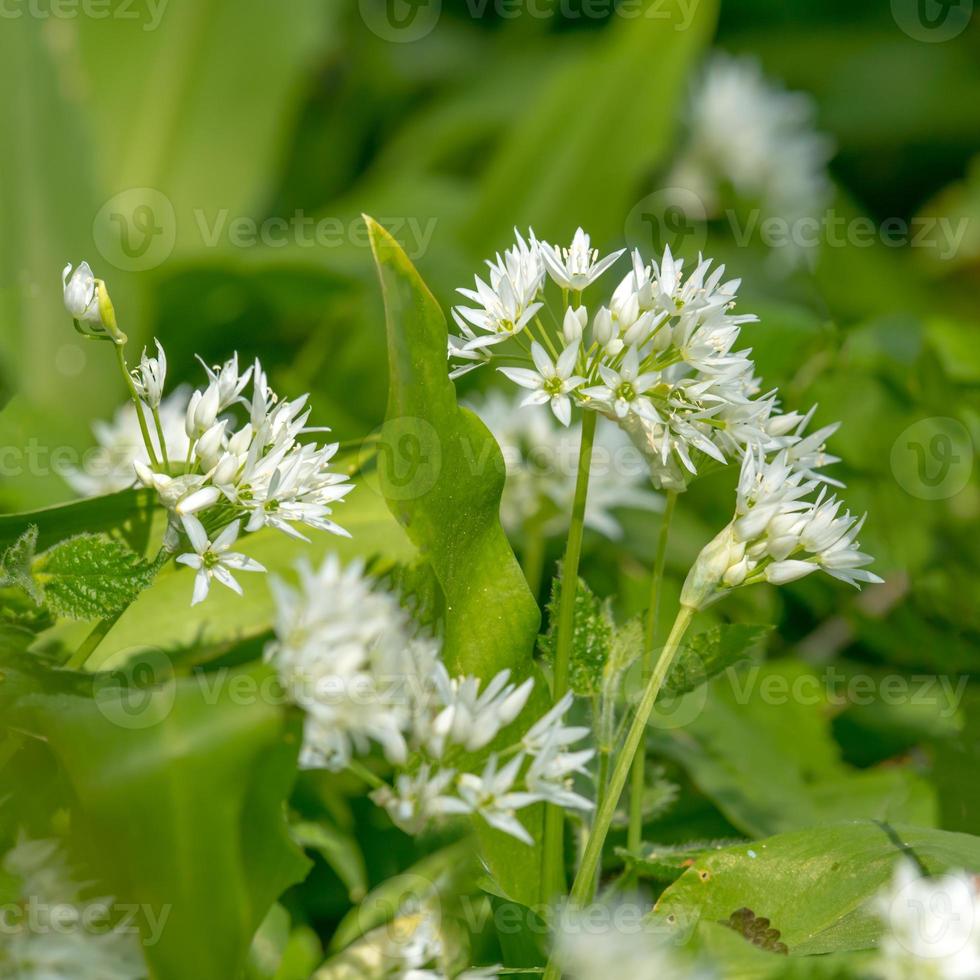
(211, 158)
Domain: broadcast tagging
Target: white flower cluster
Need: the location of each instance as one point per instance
(746, 134)
(659, 359)
(77, 948)
(932, 926)
(350, 656)
(541, 458)
(781, 531)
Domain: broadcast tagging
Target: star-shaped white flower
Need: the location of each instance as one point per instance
(151, 376)
(579, 265)
(213, 559)
(625, 390)
(551, 382)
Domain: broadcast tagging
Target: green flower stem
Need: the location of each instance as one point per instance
(163, 441)
(99, 632)
(552, 871)
(362, 772)
(635, 835)
(585, 879)
(121, 357)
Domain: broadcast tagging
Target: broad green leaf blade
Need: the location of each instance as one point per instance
(90, 576)
(180, 800)
(758, 743)
(838, 868)
(130, 514)
(442, 474)
(600, 124)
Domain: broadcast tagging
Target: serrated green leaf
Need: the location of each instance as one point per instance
(90, 576)
(592, 637)
(839, 868)
(707, 654)
(15, 567)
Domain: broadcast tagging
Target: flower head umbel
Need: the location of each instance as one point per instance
(932, 926)
(660, 358)
(221, 460)
(785, 527)
(350, 655)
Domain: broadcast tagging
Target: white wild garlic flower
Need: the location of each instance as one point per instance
(660, 358)
(85, 946)
(748, 136)
(784, 528)
(349, 654)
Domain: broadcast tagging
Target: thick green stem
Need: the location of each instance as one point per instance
(635, 835)
(585, 879)
(552, 871)
(99, 632)
(147, 441)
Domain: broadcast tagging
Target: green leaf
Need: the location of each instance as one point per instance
(707, 654)
(180, 790)
(667, 862)
(838, 868)
(341, 852)
(90, 576)
(758, 743)
(15, 566)
(442, 474)
(592, 637)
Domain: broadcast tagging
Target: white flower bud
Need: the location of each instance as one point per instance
(709, 570)
(209, 446)
(574, 324)
(602, 327)
(87, 302)
(151, 377)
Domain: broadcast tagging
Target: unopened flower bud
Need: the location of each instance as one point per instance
(602, 327)
(574, 325)
(87, 301)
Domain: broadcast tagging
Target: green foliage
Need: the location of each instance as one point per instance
(90, 576)
(838, 868)
(180, 788)
(442, 474)
(707, 654)
(592, 637)
(760, 745)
